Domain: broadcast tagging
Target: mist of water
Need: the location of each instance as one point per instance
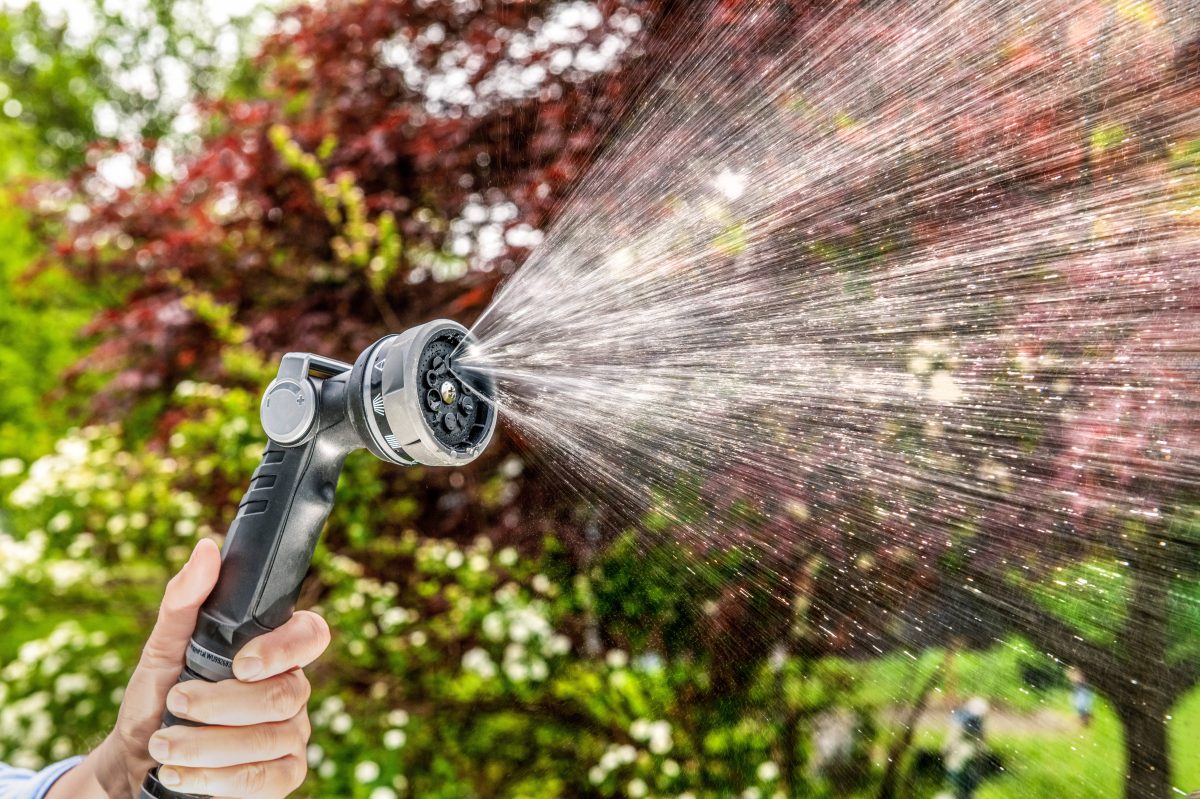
(912, 282)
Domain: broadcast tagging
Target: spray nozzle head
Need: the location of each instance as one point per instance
(417, 405)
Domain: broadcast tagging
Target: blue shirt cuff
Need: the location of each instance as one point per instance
(21, 784)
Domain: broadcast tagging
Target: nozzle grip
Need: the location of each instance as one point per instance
(268, 549)
(269, 546)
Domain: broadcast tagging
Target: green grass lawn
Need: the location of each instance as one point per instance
(1090, 763)
(1082, 764)
(1059, 760)
(1185, 742)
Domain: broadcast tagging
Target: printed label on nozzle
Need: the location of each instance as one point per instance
(199, 653)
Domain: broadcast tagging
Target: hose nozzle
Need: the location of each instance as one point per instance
(417, 405)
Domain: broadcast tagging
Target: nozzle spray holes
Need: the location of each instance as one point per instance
(451, 412)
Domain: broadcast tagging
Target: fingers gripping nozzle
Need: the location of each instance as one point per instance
(404, 399)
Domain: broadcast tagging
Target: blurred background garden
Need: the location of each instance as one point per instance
(188, 189)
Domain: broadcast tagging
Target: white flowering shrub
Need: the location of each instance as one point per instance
(457, 669)
(89, 535)
(53, 691)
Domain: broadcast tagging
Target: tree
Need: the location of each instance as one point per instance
(97, 73)
(397, 160)
(321, 231)
(31, 349)
(67, 82)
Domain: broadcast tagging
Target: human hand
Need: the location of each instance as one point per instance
(256, 726)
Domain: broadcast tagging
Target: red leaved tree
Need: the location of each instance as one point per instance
(398, 164)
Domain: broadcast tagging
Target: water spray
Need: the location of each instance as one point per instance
(402, 400)
(900, 279)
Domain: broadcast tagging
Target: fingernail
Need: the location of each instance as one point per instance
(169, 776)
(247, 668)
(160, 748)
(177, 703)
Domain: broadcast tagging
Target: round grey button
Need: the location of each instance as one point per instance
(288, 410)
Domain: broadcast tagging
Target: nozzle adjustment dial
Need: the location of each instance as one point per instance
(288, 410)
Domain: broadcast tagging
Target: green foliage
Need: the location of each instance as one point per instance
(1107, 136)
(107, 70)
(40, 315)
(459, 669)
(374, 245)
(456, 670)
(1095, 596)
(53, 687)
(115, 71)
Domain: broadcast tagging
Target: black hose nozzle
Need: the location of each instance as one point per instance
(402, 401)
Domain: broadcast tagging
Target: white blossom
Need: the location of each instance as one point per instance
(366, 771)
(493, 626)
(480, 662)
(660, 738)
(768, 771)
(315, 753)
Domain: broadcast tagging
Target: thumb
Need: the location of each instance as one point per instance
(180, 605)
(162, 657)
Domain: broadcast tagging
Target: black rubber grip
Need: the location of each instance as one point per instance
(268, 550)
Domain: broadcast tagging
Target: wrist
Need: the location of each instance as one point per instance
(103, 774)
(109, 769)
(81, 781)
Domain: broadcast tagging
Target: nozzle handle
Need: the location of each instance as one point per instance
(269, 546)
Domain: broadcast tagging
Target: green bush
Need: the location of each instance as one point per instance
(41, 313)
(457, 669)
